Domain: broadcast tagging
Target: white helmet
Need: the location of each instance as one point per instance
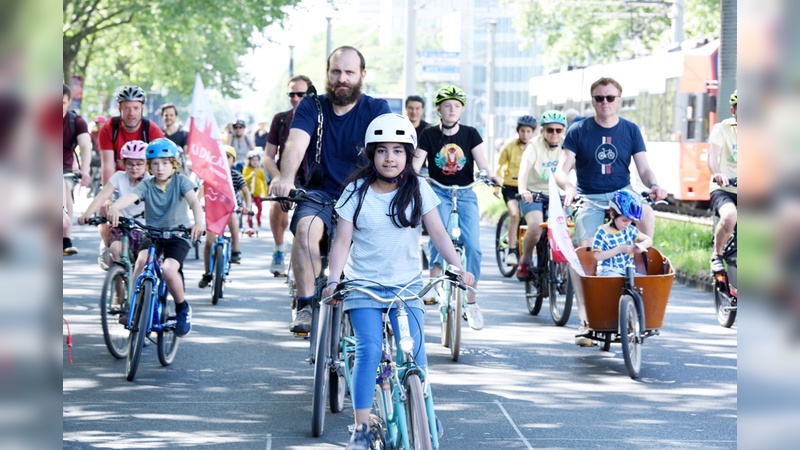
(391, 128)
(253, 153)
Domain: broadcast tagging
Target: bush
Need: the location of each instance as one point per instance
(687, 245)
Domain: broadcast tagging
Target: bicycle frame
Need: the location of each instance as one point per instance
(152, 271)
(225, 242)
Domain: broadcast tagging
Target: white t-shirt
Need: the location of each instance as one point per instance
(381, 251)
(122, 184)
(543, 161)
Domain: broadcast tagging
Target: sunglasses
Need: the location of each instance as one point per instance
(554, 130)
(609, 98)
(296, 94)
(237, 126)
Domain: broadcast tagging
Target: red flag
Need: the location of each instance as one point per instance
(209, 163)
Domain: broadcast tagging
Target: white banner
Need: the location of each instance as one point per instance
(561, 247)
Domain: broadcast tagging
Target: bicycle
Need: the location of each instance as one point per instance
(117, 290)
(726, 294)
(548, 278)
(403, 398)
(501, 245)
(453, 307)
(219, 264)
(152, 308)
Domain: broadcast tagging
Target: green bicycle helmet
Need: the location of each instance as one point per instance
(451, 92)
(553, 116)
(734, 98)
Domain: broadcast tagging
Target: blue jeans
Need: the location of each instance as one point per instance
(368, 329)
(469, 218)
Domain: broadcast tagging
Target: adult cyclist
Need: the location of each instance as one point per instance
(508, 169)
(722, 162)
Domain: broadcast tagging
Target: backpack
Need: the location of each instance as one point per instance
(115, 131)
(72, 116)
(281, 121)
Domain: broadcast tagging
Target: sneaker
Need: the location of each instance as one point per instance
(583, 341)
(716, 264)
(236, 257)
(71, 250)
(103, 256)
(474, 316)
(433, 296)
(523, 271)
(183, 323)
(302, 322)
(360, 440)
(278, 261)
(205, 281)
(511, 257)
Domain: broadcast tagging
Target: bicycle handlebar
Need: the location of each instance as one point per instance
(297, 196)
(481, 178)
(344, 287)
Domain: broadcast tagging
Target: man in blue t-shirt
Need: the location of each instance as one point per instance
(600, 149)
(346, 114)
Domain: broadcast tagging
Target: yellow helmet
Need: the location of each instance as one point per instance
(230, 151)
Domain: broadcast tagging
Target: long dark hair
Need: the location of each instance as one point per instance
(407, 189)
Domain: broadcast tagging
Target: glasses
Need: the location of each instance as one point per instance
(131, 165)
(238, 126)
(296, 94)
(554, 130)
(609, 98)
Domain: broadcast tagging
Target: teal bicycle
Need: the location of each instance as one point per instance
(403, 399)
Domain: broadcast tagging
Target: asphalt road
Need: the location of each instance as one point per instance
(241, 380)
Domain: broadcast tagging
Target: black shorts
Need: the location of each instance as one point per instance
(509, 192)
(175, 248)
(719, 198)
(308, 208)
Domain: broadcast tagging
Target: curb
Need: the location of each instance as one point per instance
(702, 283)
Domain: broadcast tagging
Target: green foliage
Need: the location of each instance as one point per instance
(687, 245)
(161, 44)
(591, 32)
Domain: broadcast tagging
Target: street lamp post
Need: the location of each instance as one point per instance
(291, 61)
(490, 95)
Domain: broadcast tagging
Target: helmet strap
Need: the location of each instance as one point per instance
(449, 127)
(383, 178)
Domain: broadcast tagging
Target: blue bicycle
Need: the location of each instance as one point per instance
(152, 309)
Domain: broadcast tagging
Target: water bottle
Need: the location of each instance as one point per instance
(406, 341)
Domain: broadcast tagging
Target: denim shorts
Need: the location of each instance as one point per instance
(526, 207)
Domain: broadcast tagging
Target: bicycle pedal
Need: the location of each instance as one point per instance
(279, 275)
(430, 301)
(301, 334)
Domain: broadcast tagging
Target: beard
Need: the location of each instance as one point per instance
(347, 96)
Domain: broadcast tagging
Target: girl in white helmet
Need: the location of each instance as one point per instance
(381, 211)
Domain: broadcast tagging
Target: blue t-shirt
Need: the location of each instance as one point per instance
(342, 136)
(603, 155)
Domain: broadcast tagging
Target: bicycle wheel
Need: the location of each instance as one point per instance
(454, 320)
(379, 422)
(139, 327)
(561, 293)
(501, 246)
(338, 387)
(321, 372)
(629, 333)
(167, 341)
(533, 298)
(444, 315)
(114, 334)
(219, 282)
(419, 433)
(723, 303)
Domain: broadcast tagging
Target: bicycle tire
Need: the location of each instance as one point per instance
(445, 316)
(533, 298)
(114, 334)
(419, 433)
(561, 292)
(321, 373)
(723, 300)
(455, 313)
(501, 246)
(629, 332)
(139, 324)
(166, 339)
(379, 422)
(338, 384)
(219, 282)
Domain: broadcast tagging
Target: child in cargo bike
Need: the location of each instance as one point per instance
(616, 241)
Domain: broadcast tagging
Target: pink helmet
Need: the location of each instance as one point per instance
(100, 119)
(133, 150)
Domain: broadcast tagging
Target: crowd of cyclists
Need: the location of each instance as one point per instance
(346, 148)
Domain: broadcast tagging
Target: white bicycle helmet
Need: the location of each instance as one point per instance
(391, 128)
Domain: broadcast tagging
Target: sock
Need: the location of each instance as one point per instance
(302, 302)
(181, 306)
(67, 242)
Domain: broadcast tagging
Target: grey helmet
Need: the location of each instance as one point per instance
(131, 94)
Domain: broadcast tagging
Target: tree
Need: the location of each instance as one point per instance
(590, 32)
(161, 44)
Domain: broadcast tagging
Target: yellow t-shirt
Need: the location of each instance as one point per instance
(256, 181)
(508, 165)
(724, 135)
(543, 161)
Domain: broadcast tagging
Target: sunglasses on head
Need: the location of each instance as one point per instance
(554, 130)
(609, 98)
(296, 94)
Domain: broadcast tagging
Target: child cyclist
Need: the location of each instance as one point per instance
(380, 212)
(239, 186)
(616, 241)
(166, 197)
(132, 154)
(256, 180)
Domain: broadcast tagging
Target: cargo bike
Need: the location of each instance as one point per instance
(624, 309)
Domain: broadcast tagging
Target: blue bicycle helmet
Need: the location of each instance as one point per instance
(161, 148)
(628, 204)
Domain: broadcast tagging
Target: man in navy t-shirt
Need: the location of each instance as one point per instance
(346, 114)
(600, 149)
